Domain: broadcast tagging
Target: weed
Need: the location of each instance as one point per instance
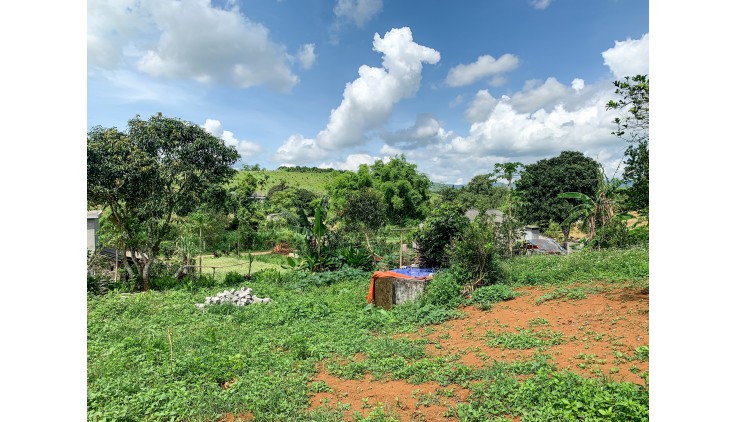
(538, 322)
(525, 339)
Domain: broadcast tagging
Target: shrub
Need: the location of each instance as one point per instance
(473, 259)
(440, 228)
(492, 294)
(357, 257)
(164, 282)
(233, 277)
(443, 291)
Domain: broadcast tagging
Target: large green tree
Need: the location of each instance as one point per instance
(158, 168)
(632, 126)
(541, 183)
(404, 191)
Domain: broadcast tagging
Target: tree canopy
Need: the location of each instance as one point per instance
(633, 128)
(541, 183)
(404, 191)
(158, 168)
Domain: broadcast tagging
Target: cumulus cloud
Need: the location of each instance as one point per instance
(306, 56)
(358, 12)
(540, 4)
(485, 67)
(352, 162)
(110, 27)
(510, 132)
(298, 150)
(481, 107)
(536, 95)
(426, 131)
(369, 99)
(577, 84)
(187, 39)
(628, 58)
(245, 148)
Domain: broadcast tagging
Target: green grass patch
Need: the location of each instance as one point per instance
(261, 358)
(524, 339)
(617, 265)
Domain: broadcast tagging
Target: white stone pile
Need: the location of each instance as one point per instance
(241, 297)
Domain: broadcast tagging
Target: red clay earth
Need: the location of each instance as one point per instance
(600, 332)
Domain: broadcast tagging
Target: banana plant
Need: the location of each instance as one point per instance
(596, 211)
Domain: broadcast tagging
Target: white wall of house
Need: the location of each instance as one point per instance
(93, 223)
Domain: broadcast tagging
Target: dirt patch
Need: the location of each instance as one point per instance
(602, 330)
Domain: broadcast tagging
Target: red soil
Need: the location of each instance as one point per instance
(600, 332)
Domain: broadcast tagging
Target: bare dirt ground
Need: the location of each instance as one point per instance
(601, 333)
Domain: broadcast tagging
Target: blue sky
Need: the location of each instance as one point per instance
(455, 86)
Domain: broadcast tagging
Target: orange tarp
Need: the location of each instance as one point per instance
(383, 274)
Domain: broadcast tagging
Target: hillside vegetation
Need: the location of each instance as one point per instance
(315, 180)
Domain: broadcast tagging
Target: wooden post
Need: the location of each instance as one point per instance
(400, 248)
(200, 251)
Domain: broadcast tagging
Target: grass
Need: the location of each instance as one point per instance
(226, 264)
(261, 359)
(579, 267)
(312, 181)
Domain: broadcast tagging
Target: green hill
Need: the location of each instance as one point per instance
(310, 178)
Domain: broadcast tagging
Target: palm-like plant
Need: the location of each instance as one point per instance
(596, 211)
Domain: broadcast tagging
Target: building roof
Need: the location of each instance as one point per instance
(93, 214)
(472, 213)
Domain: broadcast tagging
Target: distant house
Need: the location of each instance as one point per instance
(93, 224)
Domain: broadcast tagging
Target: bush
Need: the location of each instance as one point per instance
(440, 228)
(443, 291)
(164, 282)
(357, 257)
(487, 295)
(473, 259)
(233, 277)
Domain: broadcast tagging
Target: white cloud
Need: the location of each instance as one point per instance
(540, 4)
(352, 162)
(481, 107)
(426, 131)
(485, 67)
(298, 150)
(577, 84)
(110, 26)
(628, 58)
(536, 95)
(187, 39)
(306, 56)
(245, 148)
(357, 11)
(369, 99)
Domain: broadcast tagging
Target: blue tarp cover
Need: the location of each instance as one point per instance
(415, 272)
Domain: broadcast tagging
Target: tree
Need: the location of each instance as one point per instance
(595, 211)
(541, 183)
(246, 211)
(633, 128)
(438, 230)
(405, 192)
(508, 171)
(159, 168)
(364, 211)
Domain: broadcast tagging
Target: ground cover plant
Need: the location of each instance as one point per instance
(319, 352)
